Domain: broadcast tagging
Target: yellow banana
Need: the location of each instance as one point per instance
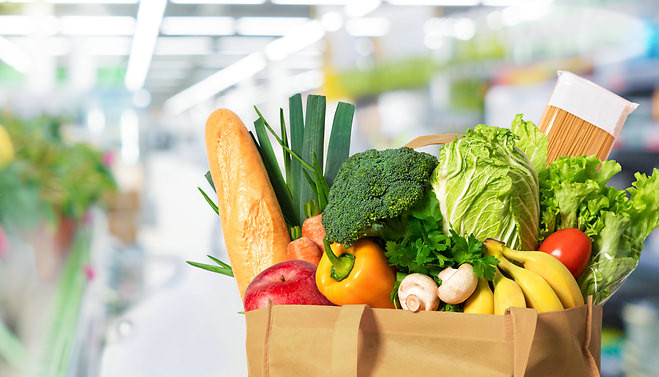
(6, 148)
(507, 293)
(537, 292)
(482, 300)
(553, 271)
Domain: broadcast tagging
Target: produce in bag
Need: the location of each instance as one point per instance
(423, 221)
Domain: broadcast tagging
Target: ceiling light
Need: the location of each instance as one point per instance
(299, 38)
(332, 21)
(312, 2)
(92, 1)
(149, 17)
(268, 25)
(97, 25)
(503, 3)
(197, 26)
(368, 27)
(24, 25)
(16, 25)
(361, 8)
(438, 3)
(14, 56)
(234, 2)
(217, 82)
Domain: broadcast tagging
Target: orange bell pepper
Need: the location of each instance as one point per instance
(359, 274)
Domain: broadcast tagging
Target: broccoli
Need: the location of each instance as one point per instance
(373, 190)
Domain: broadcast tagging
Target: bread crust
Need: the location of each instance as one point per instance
(255, 233)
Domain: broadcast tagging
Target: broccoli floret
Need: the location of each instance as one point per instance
(373, 189)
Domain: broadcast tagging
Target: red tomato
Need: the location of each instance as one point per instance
(571, 246)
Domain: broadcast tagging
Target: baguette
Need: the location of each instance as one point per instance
(255, 233)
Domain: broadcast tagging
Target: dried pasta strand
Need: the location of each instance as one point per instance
(570, 135)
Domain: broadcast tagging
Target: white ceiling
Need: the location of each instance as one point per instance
(201, 47)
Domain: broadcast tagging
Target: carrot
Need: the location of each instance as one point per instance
(313, 228)
(305, 249)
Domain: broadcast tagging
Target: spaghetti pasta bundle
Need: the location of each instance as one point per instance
(582, 118)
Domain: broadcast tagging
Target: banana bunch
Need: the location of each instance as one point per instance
(6, 148)
(543, 283)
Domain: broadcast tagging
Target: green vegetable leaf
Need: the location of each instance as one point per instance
(282, 192)
(470, 250)
(322, 190)
(209, 201)
(394, 292)
(573, 193)
(311, 209)
(451, 308)
(296, 122)
(295, 232)
(603, 277)
(487, 186)
(484, 267)
(427, 250)
(221, 268)
(314, 140)
(531, 141)
(339, 142)
(644, 195)
(219, 262)
(287, 154)
(209, 179)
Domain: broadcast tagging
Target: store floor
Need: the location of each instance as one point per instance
(186, 323)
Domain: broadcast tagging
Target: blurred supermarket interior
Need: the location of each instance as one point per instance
(105, 103)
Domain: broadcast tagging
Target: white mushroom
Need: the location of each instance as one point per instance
(418, 292)
(457, 284)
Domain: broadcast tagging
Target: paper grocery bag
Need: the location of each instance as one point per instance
(355, 340)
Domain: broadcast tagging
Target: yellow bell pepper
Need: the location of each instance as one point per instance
(357, 275)
(6, 148)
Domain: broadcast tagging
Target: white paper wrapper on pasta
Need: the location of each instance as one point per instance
(582, 117)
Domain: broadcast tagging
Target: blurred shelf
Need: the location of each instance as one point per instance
(65, 314)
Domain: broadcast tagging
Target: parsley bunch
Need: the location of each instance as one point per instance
(424, 247)
(429, 252)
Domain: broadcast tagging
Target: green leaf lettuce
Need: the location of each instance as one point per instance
(574, 194)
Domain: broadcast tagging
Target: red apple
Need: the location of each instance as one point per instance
(292, 282)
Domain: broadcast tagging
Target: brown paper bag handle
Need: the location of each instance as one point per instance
(266, 340)
(520, 330)
(345, 341)
(424, 141)
(595, 372)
